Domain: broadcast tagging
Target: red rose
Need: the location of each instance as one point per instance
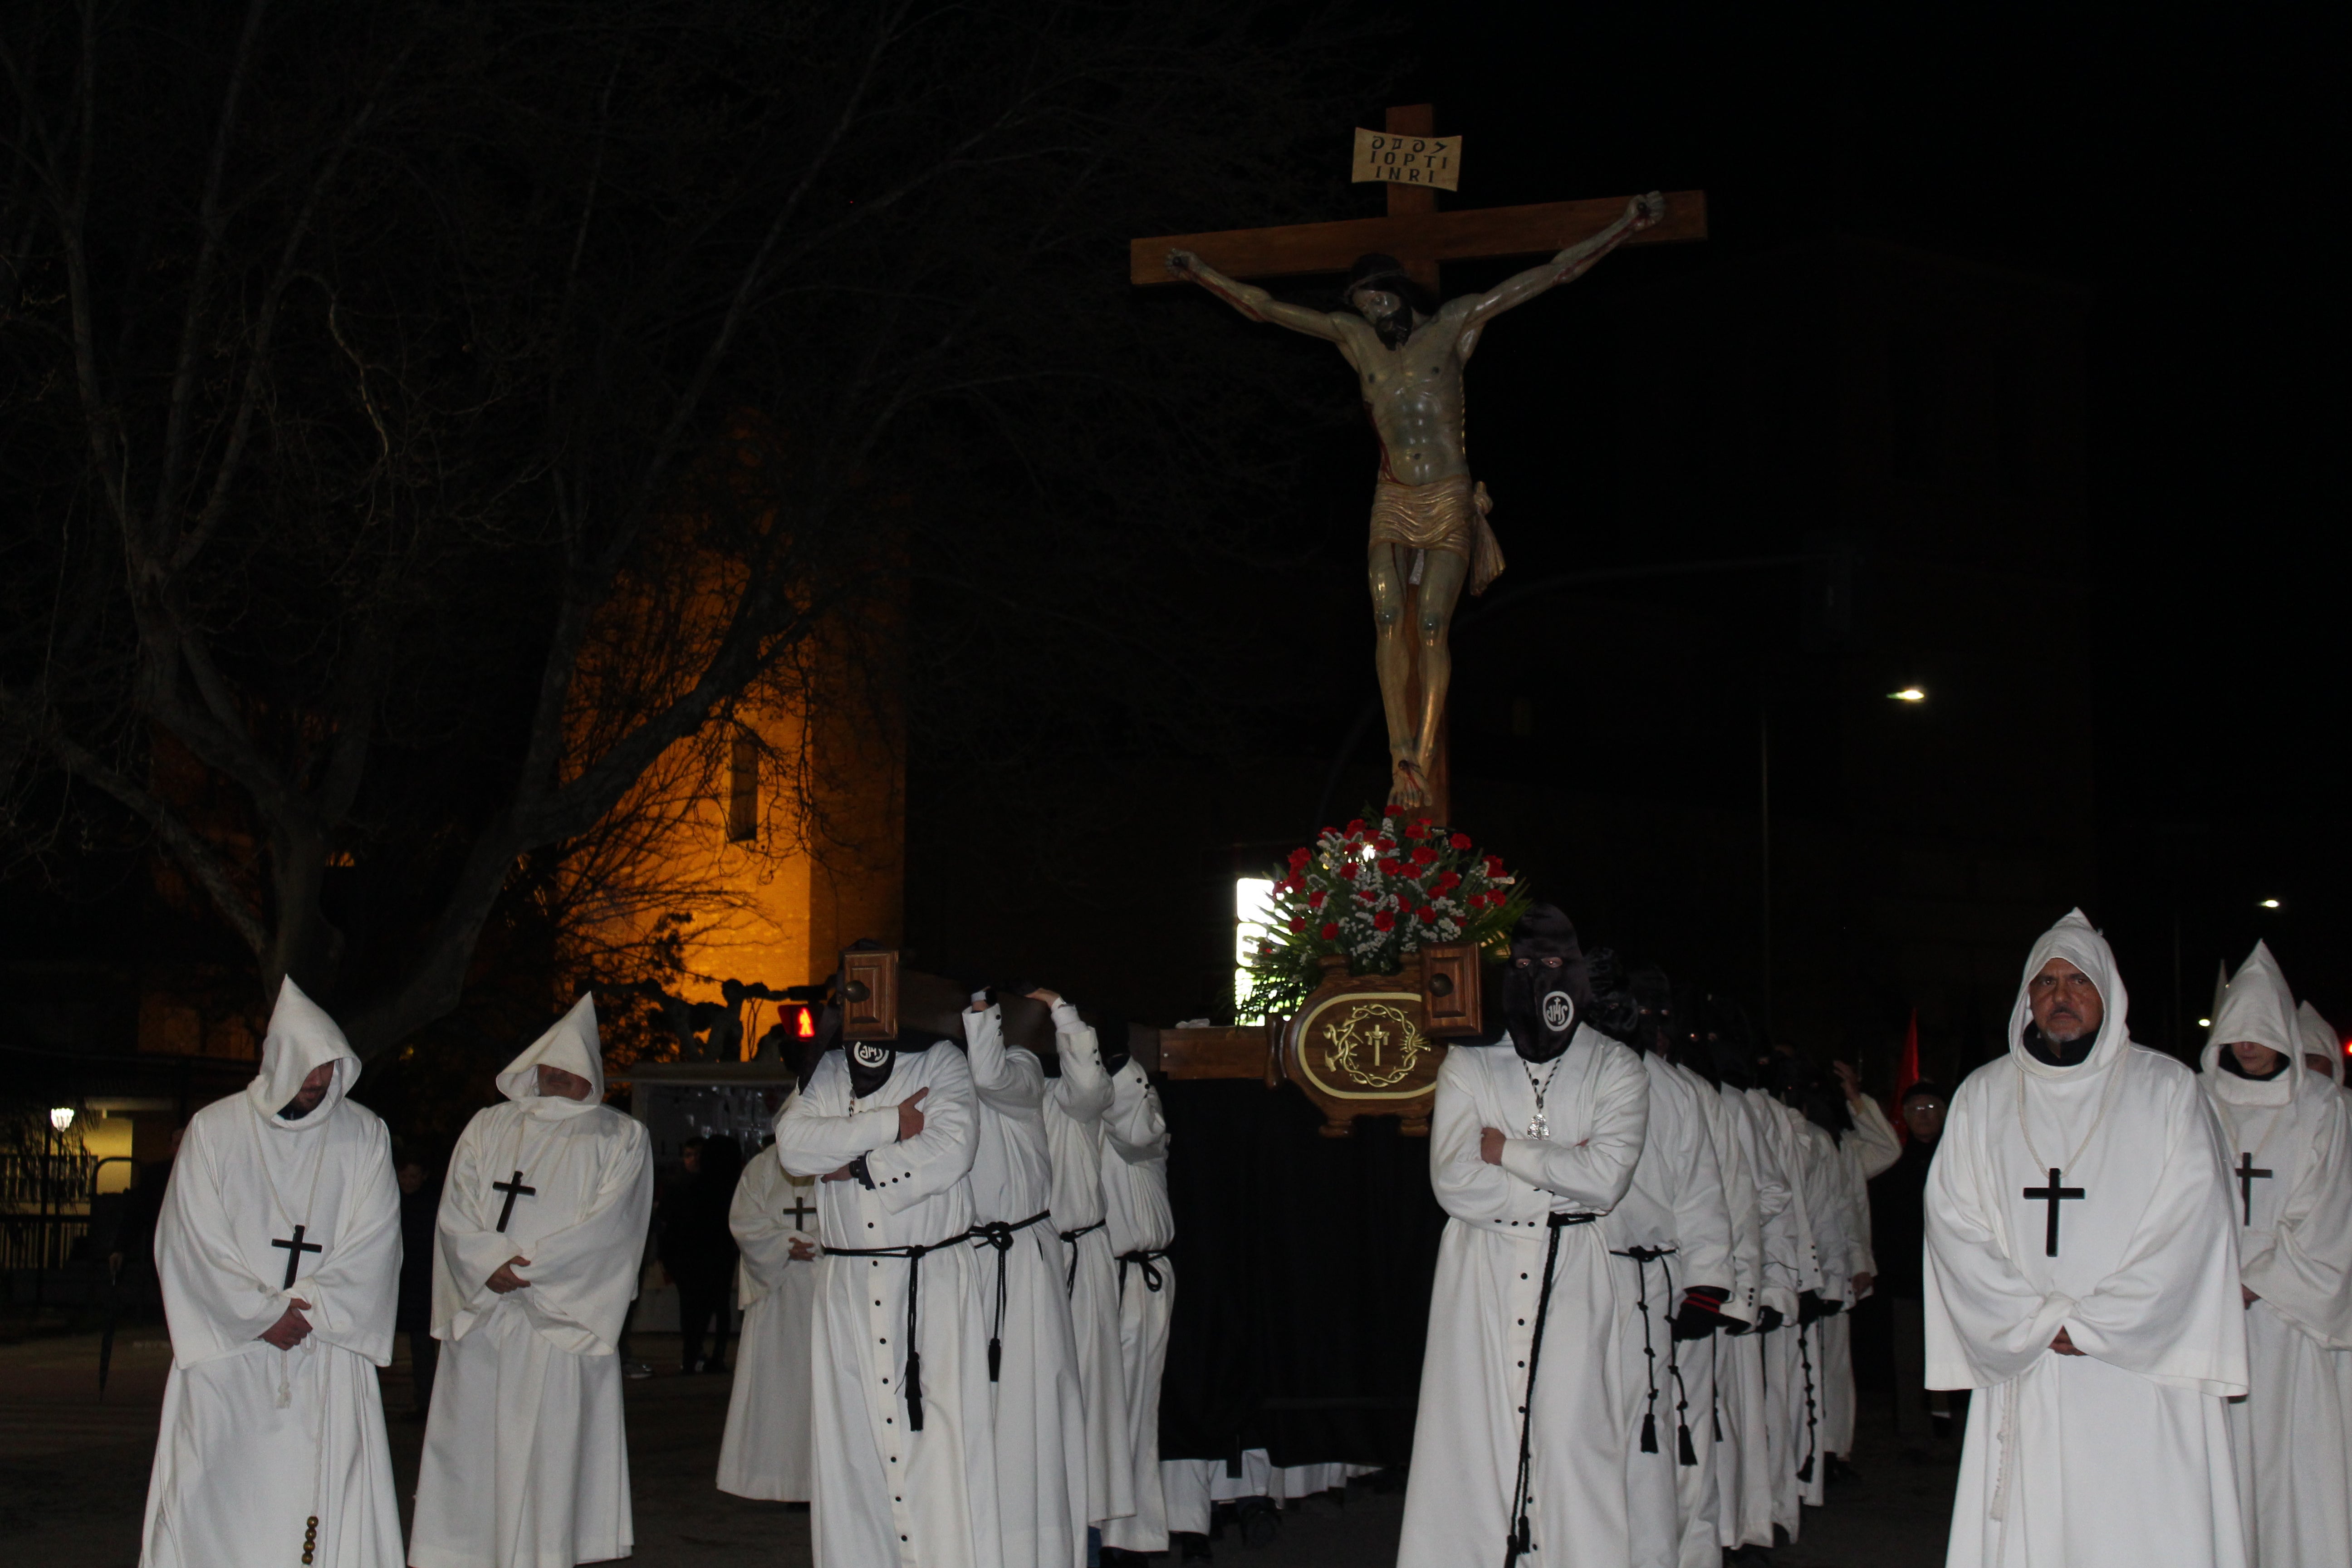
(1350, 869)
(1383, 844)
(1493, 865)
(1448, 882)
(1298, 922)
(1428, 916)
(1460, 841)
(1423, 856)
(1416, 829)
(1392, 868)
(1355, 826)
(1298, 857)
(1315, 900)
(1384, 921)
(1330, 932)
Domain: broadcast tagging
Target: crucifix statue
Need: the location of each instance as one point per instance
(1429, 532)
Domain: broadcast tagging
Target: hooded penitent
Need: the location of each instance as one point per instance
(525, 1455)
(2319, 1040)
(2292, 1173)
(268, 1211)
(2091, 1198)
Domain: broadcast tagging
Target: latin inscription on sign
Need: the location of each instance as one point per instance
(1393, 158)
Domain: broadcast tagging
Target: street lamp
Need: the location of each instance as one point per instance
(2270, 903)
(1909, 694)
(61, 1117)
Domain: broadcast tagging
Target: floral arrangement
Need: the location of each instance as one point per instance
(1371, 894)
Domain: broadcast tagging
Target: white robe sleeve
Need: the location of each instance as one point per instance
(1874, 1145)
(584, 1276)
(941, 1156)
(1008, 1080)
(2303, 1265)
(1776, 1229)
(1135, 1128)
(811, 1143)
(1083, 1092)
(1740, 1201)
(1702, 1216)
(1592, 1173)
(762, 1227)
(1825, 1190)
(356, 1286)
(1992, 1321)
(2159, 1314)
(470, 1248)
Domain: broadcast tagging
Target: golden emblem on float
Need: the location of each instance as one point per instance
(1376, 1045)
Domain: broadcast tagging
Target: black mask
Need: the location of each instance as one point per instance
(871, 1063)
(1112, 1036)
(1544, 988)
(1614, 1011)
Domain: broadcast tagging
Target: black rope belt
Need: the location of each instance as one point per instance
(1521, 1539)
(914, 1256)
(1805, 1361)
(1143, 1258)
(1070, 1286)
(999, 1234)
(1643, 1257)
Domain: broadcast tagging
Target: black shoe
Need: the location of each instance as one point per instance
(1839, 1470)
(1261, 1522)
(1190, 1548)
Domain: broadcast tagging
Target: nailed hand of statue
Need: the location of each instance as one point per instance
(1646, 212)
(1180, 263)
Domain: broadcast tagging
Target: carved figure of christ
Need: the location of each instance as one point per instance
(1409, 361)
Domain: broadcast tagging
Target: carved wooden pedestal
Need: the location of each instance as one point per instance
(1371, 1044)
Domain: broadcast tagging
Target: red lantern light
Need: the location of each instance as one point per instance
(805, 1026)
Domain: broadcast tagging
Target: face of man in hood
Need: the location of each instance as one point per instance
(2067, 1007)
(314, 1089)
(558, 1084)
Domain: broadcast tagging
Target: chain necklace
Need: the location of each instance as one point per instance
(2106, 1093)
(1539, 1125)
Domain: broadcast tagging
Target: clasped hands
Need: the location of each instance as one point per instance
(291, 1327)
(911, 1125)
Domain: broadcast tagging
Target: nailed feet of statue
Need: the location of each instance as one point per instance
(1407, 787)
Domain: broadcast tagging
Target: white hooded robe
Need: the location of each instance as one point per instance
(1141, 1225)
(1482, 1312)
(2291, 1167)
(770, 1427)
(526, 1460)
(1076, 1103)
(1674, 1206)
(887, 1493)
(1747, 1484)
(255, 1441)
(1036, 1407)
(1864, 1149)
(2118, 1456)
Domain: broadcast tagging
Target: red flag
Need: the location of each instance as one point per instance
(1907, 1072)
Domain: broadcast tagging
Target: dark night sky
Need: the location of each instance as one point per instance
(2167, 162)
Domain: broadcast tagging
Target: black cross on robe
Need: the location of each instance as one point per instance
(2052, 1194)
(294, 1251)
(2246, 1173)
(800, 1211)
(514, 1190)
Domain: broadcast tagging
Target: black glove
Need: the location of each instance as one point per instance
(1768, 1319)
(1811, 1308)
(1700, 1313)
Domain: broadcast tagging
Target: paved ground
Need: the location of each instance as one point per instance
(73, 1476)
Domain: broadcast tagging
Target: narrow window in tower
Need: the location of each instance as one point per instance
(743, 786)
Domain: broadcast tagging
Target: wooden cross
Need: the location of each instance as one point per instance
(294, 1251)
(2052, 1194)
(2246, 1173)
(1422, 238)
(514, 1190)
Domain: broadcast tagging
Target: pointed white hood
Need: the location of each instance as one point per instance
(2319, 1035)
(2257, 1006)
(573, 1045)
(2076, 941)
(301, 1038)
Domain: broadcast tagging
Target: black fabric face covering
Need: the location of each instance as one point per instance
(871, 1063)
(1543, 1000)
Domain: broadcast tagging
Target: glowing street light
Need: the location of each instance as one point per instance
(2204, 1023)
(1909, 694)
(2270, 903)
(61, 1117)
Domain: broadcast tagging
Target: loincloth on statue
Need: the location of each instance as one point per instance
(1450, 515)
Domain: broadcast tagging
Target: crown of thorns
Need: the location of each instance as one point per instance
(1387, 274)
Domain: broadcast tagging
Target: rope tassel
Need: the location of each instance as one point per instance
(1649, 1433)
(1687, 1455)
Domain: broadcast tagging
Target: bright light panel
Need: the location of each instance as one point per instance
(1253, 905)
(61, 1117)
